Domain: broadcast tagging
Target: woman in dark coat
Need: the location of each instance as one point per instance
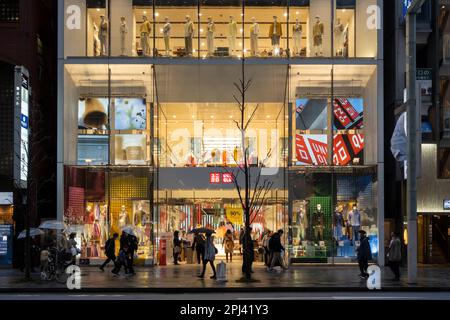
(176, 247)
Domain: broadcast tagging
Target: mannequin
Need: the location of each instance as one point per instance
(103, 35)
(145, 30)
(345, 42)
(123, 217)
(302, 221)
(354, 218)
(96, 41)
(232, 34)
(339, 38)
(275, 33)
(166, 33)
(318, 222)
(297, 37)
(338, 223)
(123, 34)
(318, 30)
(254, 33)
(188, 35)
(210, 29)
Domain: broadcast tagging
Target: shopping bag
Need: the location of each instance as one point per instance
(222, 272)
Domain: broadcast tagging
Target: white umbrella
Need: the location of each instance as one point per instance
(53, 224)
(130, 230)
(33, 232)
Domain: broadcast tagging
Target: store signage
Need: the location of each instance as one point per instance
(217, 178)
(73, 21)
(235, 215)
(424, 74)
(5, 233)
(6, 198)
(406, 5)
(214, 177)
(227, 178)
(21, 128)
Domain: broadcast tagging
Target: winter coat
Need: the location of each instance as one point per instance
(275, 243)
(395, 250)
(110, 248)
(364, 252)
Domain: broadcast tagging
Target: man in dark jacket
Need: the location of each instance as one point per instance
(364, 255)
(110, 251)
(275, 248)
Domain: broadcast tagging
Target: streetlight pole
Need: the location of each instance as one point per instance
(412, 131)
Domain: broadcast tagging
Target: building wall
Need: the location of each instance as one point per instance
(431, 191)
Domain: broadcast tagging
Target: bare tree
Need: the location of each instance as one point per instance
(253, 193)
(29, 156)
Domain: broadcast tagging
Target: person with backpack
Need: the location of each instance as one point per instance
(275, 248)
(364, 255)
(110, 251)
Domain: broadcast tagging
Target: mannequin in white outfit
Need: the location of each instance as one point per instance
(339, 38)
(297, 37)
(232, 34)
(210, 29)
(123, 217)
(166, 32)
(123, 35)
(254, 33)
(96, 41)
(103, 35)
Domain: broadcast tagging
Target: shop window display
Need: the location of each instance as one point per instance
(177, 29)
(344, 31)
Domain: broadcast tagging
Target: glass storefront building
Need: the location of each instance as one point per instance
(147, 110)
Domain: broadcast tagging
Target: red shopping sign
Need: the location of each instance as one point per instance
(302, 150)
(319, 150)
(341, 156)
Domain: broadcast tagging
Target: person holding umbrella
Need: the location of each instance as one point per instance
(210, 255)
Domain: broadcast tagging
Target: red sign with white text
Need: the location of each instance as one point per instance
(214, 177)
(302, 150)
(357, 142)
(341, 156)
(319, 150)
(227, 178)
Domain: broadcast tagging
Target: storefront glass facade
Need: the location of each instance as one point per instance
(151, 143)
(218, 28)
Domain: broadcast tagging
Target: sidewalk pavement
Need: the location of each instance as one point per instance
(183, 278)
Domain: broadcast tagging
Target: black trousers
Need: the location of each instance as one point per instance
(205, 263)
(363, 265)
(395, 267)
(108, 260)
(130, 262)
(200, 250)
(267, 256)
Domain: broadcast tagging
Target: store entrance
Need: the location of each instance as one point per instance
(216, 213)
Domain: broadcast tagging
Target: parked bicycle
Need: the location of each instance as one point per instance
(55, 266)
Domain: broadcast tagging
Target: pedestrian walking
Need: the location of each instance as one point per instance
(124, 242)
(364, 254)
(133, 246)
(199, 246)
(122, 260)
(276, 248)
(265, 243)
(176, 247)
(394, 255)
(73, 247)
(210, 255)
(110, 251)
(228, 244)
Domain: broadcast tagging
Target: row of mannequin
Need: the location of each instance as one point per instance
(275, 34)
